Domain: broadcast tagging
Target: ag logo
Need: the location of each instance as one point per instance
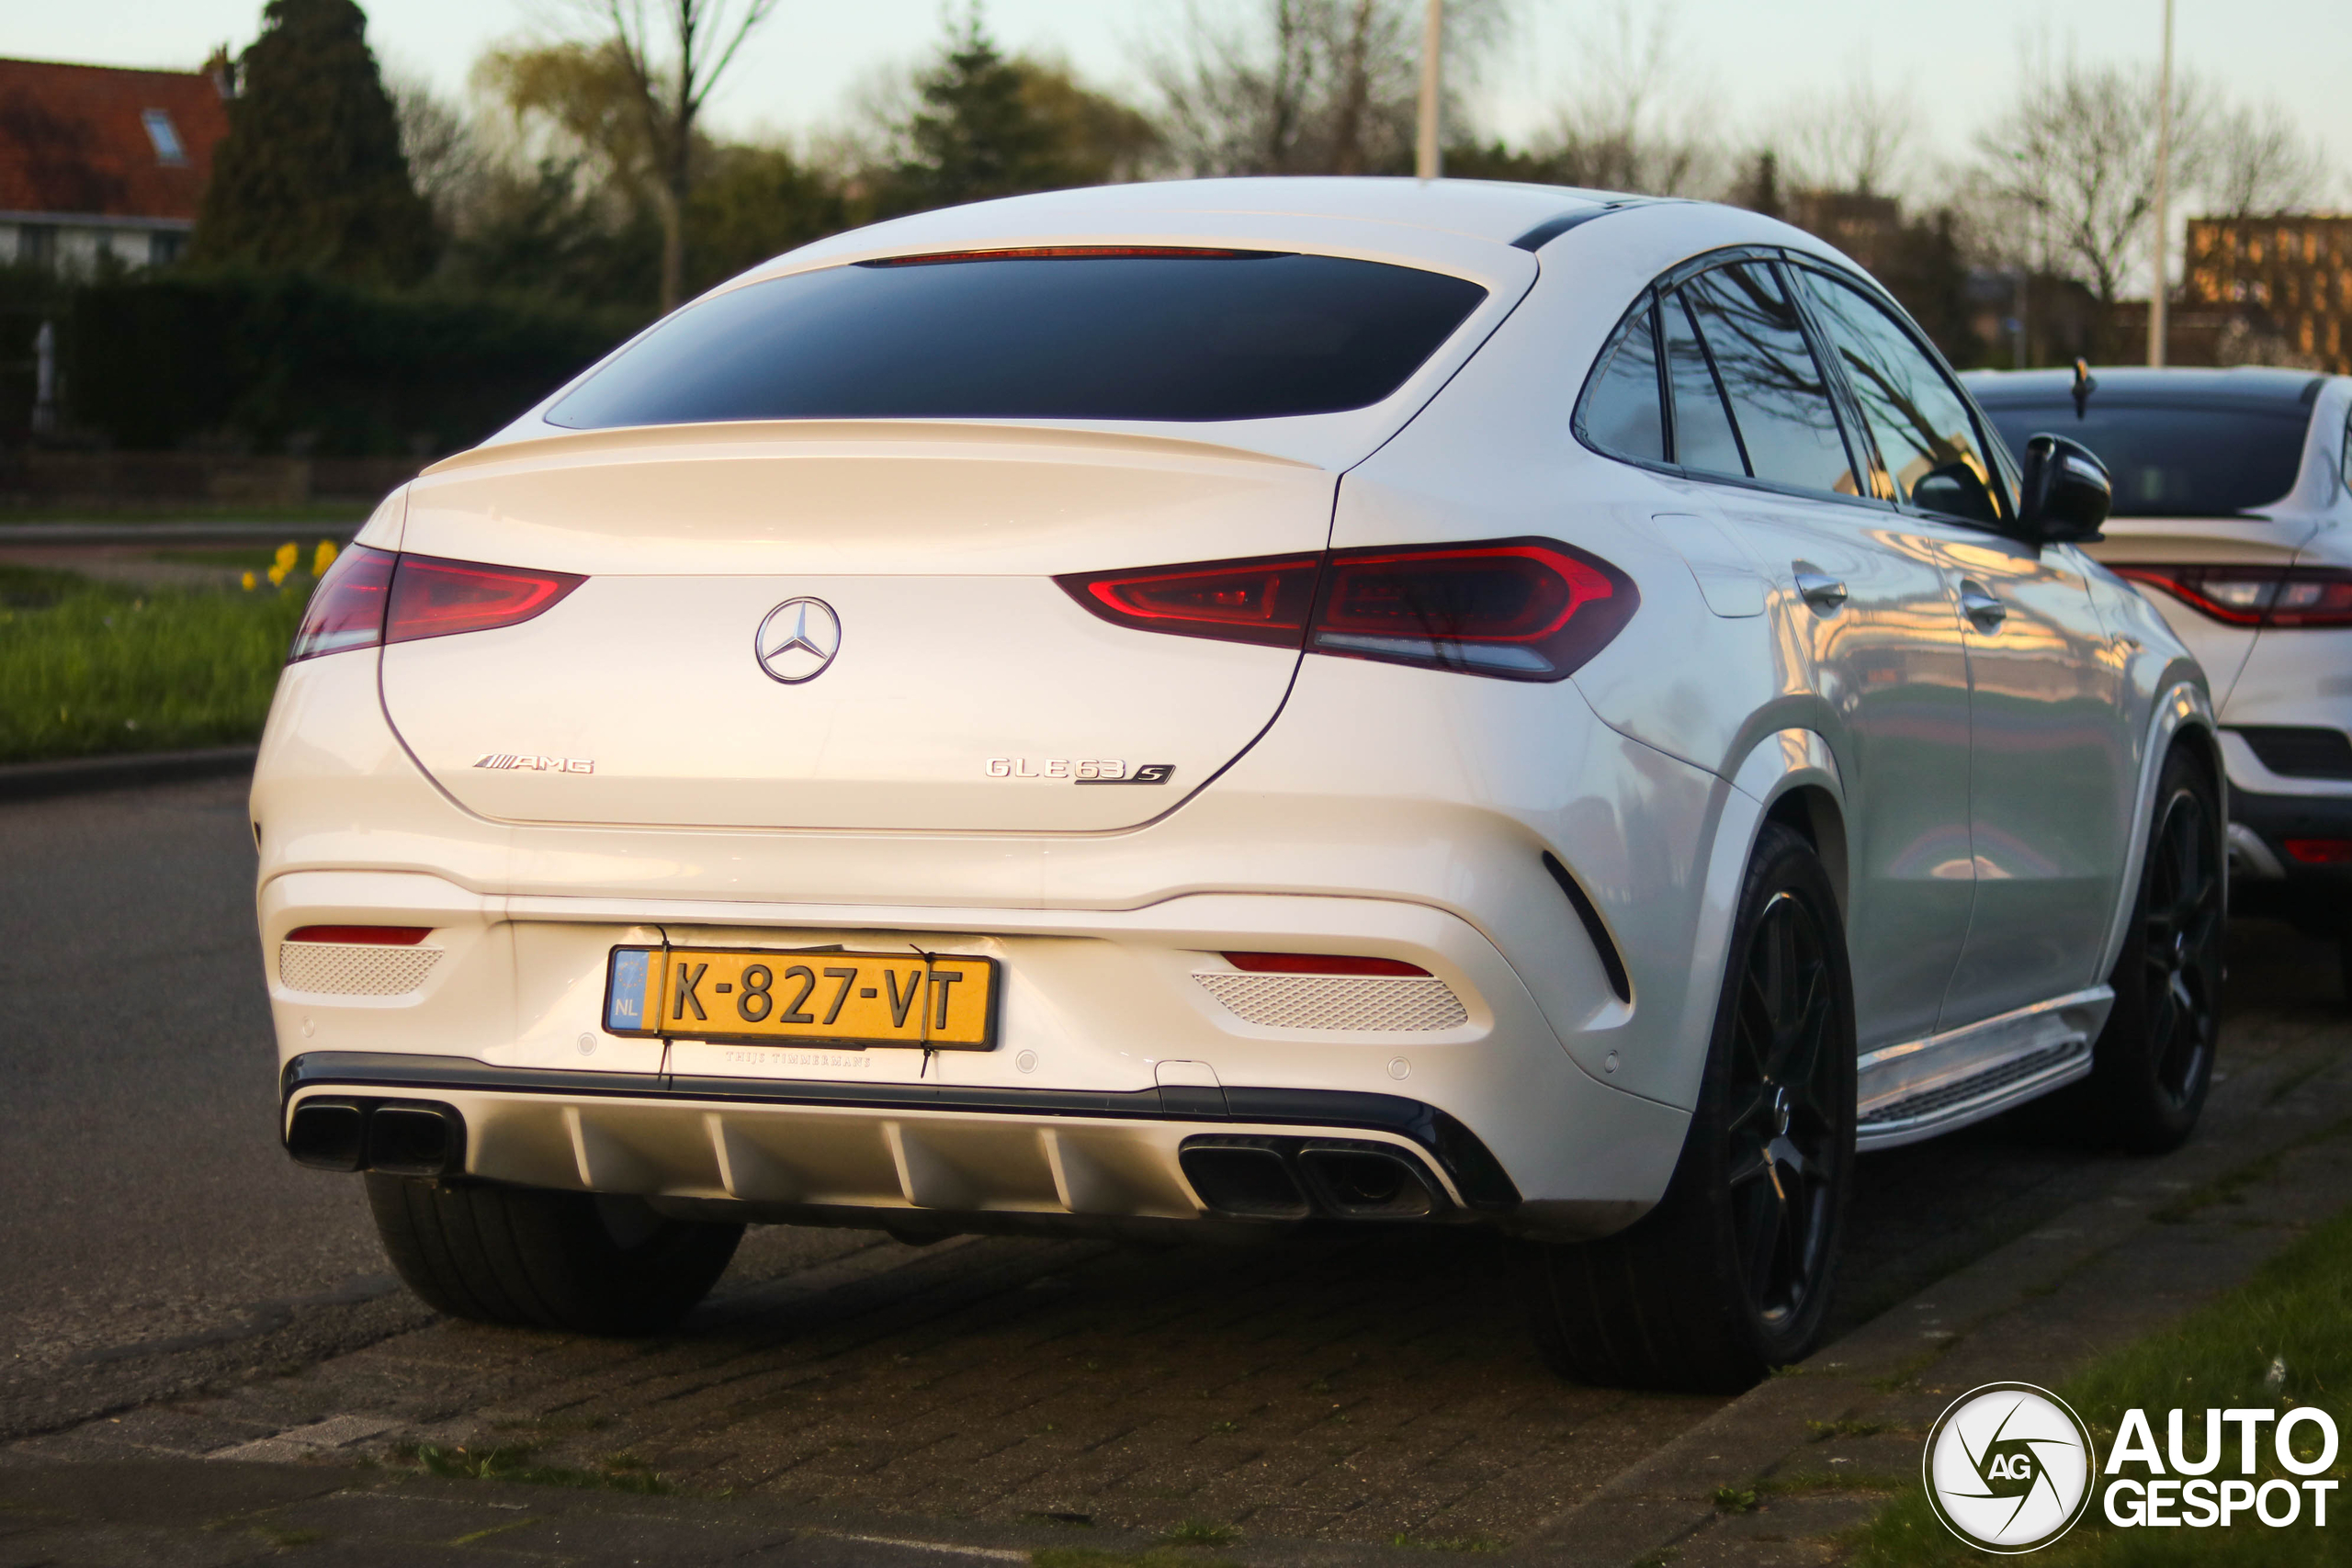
(2010, 1468)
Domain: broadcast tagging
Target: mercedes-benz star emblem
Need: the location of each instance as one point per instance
(797, 640)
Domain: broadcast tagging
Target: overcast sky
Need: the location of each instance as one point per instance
(1752, 58)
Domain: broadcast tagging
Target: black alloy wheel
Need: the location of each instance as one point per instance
(2153, 1062)
(2181, 949)
(1731, 1274)
(1785, 1125)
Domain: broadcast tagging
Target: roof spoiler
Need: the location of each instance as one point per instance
(1551, 228)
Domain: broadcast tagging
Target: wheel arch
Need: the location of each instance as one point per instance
(2182, 717)
(1790, 777)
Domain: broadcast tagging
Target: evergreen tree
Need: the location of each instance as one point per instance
(976, 134)
(310, 177)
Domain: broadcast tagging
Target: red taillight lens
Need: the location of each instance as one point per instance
(1264, 601)
(346, 609)
(2288, 596)
(363, 936)
(1523, 609)
(374, 596)
(1321, 964)
(438, 598)
(1519, 609)
(2320, 851)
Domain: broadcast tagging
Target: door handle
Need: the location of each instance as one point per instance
(1819, 589)
(1981, 606)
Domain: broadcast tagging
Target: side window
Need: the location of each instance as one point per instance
(1703, 440)
(1619, 413)
(1780, 400)
(1922, 425)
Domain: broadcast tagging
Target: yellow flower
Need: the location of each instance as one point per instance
(248, 582)
(288, 554)
(323, 558)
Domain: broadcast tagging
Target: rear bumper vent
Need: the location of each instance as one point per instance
(2300, 751)
(354, 969)
(1337, 1001)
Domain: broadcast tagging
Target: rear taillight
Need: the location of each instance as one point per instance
(1322, 963)
(346, 609)
(1519, 609)
(2283, 596)
(437, 598)
(2320, 851)
(374, 596)
(1267, 600)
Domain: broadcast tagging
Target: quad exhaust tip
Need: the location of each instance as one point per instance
(1296, 1178)
(405, 1137)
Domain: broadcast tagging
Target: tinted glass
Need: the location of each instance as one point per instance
(1621, 412)
(1187, 337)
(1778, 396)
(2173, 462)
(1922, 427)
(1702, 437)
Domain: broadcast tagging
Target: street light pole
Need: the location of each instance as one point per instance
(1426, 154)
(2156, 300)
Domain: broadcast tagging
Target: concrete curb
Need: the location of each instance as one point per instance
(75, 776)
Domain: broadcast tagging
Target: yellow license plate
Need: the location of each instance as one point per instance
(841, 998)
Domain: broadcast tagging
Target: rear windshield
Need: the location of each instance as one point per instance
(2174, 462)
(1182, 336)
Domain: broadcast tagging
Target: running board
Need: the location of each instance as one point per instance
(1924, 1088)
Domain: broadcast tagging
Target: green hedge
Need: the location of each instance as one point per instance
(268, 363)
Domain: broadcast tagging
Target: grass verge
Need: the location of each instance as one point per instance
(2282, 1339)
(89, 670)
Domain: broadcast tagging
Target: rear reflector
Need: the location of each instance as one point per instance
(1322, 963)
(362, 936)
(1517, 609)
(2283, 597)
(2320, 851)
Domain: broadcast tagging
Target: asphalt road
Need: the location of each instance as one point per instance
(157, 1242)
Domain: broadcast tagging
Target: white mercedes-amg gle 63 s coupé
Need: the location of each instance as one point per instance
(1228, 706)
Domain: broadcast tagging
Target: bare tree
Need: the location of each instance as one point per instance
(1303, 86)
(2259, 163)
(1629, 123)
(2074, 161)
(670, 55)
(445, 158)
(1858, 138)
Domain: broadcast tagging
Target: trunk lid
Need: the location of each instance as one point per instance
(965, 690)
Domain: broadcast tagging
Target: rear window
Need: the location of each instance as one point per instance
(1166, 335)
(2171, 461)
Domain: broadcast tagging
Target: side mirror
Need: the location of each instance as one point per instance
(2065, 493)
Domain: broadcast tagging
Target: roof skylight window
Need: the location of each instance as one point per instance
(165, 136)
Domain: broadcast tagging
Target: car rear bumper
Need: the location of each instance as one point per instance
(2275, 883)
(923, 1153)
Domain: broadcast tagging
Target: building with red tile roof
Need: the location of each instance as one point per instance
(98, 162)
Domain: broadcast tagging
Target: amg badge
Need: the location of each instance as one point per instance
(503, 759)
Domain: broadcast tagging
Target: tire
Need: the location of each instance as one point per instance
(575, 1262)
(2153, 1061)
(1731, 1274)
